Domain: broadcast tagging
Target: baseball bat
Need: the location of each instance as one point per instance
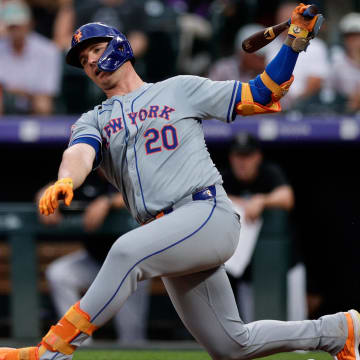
(266, 36)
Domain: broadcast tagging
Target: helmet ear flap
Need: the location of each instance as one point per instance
(116, 54)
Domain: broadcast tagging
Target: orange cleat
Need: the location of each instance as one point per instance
(29, 353)
(58, 339)
(351, 348)
(4, 351)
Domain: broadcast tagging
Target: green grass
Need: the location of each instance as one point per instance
(179, 355)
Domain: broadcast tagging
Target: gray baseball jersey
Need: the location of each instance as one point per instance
(140, 131)
(153, 150)
(151, 145)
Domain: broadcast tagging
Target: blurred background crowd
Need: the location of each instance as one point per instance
(315, 184)
(170, 37)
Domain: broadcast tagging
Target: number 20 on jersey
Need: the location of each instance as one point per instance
(157, 140)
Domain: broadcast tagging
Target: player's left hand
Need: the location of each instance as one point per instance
(49, 201)
(254, 207)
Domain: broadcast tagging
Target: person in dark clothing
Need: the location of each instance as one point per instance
(253, 184)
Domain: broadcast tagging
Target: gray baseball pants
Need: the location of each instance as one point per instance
(187, 248)
(68, 275)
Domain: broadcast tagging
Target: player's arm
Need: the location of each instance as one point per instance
(76, 164)
(262, 94)
(83, 154)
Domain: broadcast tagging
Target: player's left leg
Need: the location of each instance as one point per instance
(206, 305)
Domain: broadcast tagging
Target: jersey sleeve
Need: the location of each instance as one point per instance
(209, 99)
(86, 130)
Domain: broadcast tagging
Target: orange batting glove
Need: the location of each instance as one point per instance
(306, 24)
(62, 189)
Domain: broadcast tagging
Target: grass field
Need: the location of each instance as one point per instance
(179, 355)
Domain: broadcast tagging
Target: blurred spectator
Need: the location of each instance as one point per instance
(43, 13)
(197, 7)
(29, 64)
(193, 54)
(194, 35)
(227, 16)
(2, 25)
(255, 185)
(72, 274)
(241, 65)
(344, 79)
(163, 33)
(127, 16)
(310, 73)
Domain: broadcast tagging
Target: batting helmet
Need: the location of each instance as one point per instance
(117, 52)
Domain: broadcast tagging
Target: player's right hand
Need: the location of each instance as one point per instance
(49, 201)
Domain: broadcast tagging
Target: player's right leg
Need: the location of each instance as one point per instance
(206, 305)
(71, 274)
(198, 235)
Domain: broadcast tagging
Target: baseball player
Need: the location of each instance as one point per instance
(149, 141)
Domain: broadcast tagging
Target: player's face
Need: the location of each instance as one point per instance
(245, 167)
(88, 60)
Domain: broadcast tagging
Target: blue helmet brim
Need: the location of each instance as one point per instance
(72, 57)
